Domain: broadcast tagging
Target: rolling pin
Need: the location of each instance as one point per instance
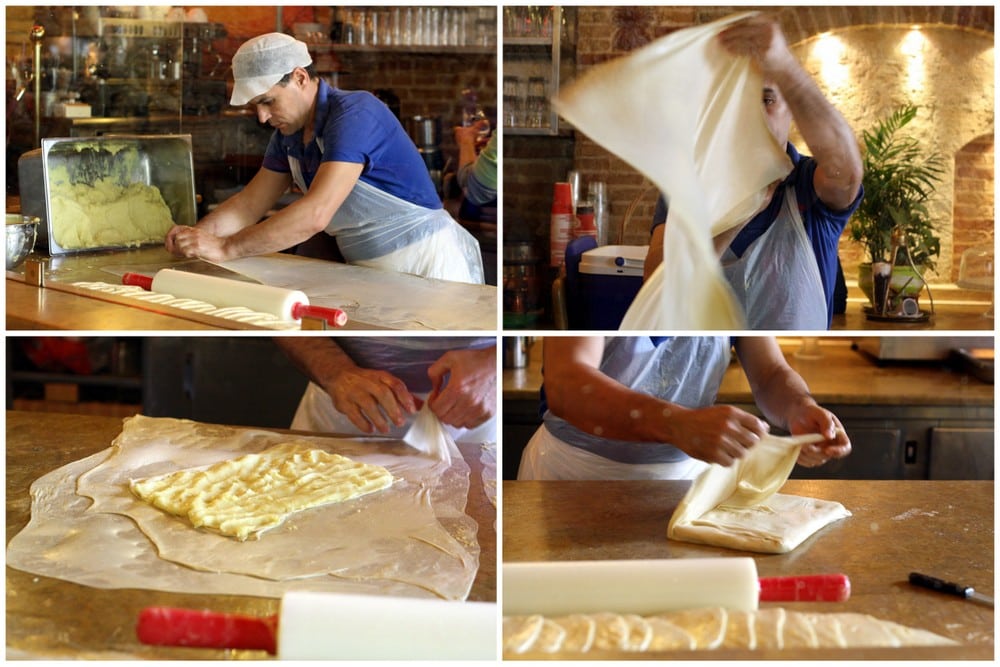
(289, 305)
(655, 586)
(320, 626)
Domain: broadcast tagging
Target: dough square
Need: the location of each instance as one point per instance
(250, 494)
(738, 507)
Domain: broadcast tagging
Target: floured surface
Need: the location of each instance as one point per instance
(738, 506)
(694, 125)
(706, 629)
(381, 298)
(248, 495)
(411, 539)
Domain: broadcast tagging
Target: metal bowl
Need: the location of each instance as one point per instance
(21, 233)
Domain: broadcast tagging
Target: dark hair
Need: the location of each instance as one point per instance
(310, 70)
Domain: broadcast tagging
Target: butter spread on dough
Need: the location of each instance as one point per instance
(738, 506)
(253, 493)
(106, 213)
(706, 629)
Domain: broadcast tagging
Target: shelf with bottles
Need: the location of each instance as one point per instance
(411, 49)
(538, 54)
(432, 29)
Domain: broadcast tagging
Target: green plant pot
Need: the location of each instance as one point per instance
(905, 281)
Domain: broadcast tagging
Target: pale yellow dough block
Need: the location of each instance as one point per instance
(106, 213)
(246, 496)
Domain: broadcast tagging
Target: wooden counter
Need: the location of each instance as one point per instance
(373, 299)
(841, 376)
(948, 316)
(54, 619)
(939, 528)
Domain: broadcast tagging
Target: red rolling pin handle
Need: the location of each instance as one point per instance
(334, 316)
(169, 626)
(806, 588)
(138, 280)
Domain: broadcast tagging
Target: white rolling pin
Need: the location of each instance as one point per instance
(655, 586)
(289, 305)
(327, 626)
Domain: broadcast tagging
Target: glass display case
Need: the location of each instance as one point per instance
(538, 53)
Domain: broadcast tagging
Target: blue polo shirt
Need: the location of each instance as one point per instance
(357, 127)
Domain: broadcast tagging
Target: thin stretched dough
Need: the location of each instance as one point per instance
(688, 115)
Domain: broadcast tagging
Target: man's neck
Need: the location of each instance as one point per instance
(309, 129)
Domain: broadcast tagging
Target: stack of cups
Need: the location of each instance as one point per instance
(561, 223)
(597, 193)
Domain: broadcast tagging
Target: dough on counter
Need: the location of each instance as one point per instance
(707, 629)
(738, 506)
(248, 495)
(106, 213)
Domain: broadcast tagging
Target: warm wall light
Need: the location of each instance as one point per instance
(830, 52)
(912, 47)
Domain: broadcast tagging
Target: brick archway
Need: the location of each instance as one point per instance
(800, 23)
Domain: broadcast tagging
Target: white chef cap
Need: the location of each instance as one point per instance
(262, 62)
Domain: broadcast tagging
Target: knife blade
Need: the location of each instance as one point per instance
(206, 268)
(199, 266)
(949, 588)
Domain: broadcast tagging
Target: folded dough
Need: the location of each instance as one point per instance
(688, 115)
(707, 629)
(738, 506)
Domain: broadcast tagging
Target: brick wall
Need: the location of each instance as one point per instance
(428, 84)
(974, 212)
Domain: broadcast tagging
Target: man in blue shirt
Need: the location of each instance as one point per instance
(782, 262)
(363, 178)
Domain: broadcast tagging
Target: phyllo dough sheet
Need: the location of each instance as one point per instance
(688, 116)
(412, 538)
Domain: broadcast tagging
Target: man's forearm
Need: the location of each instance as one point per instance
(228, 218)
(320, 359)
(830, 139)
(776, 387)
(291, 225)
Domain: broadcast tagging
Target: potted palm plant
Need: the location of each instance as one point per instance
(899, 180)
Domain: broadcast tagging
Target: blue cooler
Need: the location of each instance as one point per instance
(601, 283)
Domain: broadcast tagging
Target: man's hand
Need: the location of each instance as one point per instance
(811, 418)
(465, 387)
(760, 38)
(370, 398)
(718, 434)
(185, 241)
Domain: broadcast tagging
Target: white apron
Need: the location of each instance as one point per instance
(382, 231)
(548, 458)
(316, 413)
(686, 370)
(408, 359)
(777, 280)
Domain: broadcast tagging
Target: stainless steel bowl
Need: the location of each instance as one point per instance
(21, 233)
